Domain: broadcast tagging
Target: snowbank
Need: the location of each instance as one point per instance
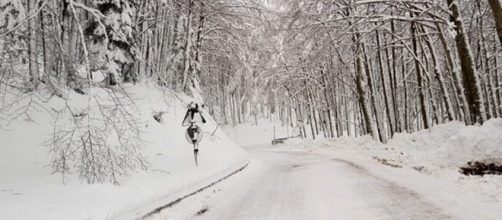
(450, 145)
(28, 190)
(445, 146)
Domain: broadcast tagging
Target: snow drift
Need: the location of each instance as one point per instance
(445, 146)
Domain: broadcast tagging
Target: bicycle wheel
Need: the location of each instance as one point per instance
(195, 154)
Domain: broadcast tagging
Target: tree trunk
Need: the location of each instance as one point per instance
(471, 77)
(384, 87)
(464, 112)
(496, 7)
(498, 90)
(32, 46)
(360, 84)
(394, 87)
(373, 98)
(188, 46)
(440, 79)
(406, 124)
(198, 42)
(84, 47)
(223, 99)
(329, 106)
(421, 90)
(491, 100)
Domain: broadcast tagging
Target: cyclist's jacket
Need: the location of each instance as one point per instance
(193, 115)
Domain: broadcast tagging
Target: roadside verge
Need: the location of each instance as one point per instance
(149, 209)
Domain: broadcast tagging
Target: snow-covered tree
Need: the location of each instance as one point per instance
(110, 37)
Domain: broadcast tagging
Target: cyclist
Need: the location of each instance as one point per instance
(194, 132)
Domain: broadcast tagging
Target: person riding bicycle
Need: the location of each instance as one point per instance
(194, 132)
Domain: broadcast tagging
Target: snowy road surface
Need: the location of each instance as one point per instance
(290, 185)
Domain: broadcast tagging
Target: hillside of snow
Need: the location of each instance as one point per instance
(28, 189)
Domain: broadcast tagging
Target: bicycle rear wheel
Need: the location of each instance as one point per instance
(195, 154)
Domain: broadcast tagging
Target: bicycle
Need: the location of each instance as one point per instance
(194, 135)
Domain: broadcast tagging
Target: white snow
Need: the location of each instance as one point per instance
(430, 160)
(249, 134)
(443, 147)
(28, 190)
(324, 179)
(305, 179)
(428, 170)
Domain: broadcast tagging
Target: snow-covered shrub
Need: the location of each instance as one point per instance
(101, 139)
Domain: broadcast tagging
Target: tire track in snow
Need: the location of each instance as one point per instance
(176, 201)
(403, 203)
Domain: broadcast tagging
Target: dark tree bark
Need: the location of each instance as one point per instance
(472, 85)
(497, 15)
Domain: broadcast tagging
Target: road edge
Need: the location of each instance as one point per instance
(178, 200)
(148, 210)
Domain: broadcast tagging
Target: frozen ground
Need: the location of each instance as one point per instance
(28, 190)
(343, 180)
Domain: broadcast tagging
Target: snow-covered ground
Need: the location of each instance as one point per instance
(299, 179)
(437, 151)
(28, 190)
(425, 163)
(428, 161)
(306, 185)
(250, 134)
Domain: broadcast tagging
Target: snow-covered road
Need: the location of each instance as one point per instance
(291, 185)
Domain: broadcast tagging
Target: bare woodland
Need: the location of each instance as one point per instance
(327, 67)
